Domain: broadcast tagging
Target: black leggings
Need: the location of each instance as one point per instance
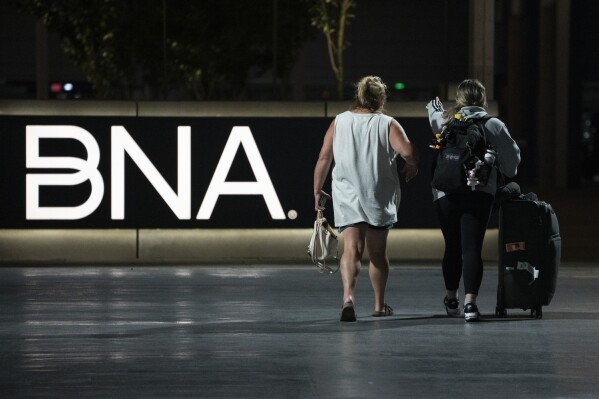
(464, 218)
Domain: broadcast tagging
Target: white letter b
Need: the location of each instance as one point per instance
(86, 169)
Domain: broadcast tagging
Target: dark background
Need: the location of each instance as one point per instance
(426, 44)
(423, 44)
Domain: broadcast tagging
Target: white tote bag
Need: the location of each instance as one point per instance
(323, 246)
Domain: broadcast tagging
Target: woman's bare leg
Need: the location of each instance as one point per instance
(378, 269)
(349, 265)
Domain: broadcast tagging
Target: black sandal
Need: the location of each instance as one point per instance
(387, 311)
(348, 312)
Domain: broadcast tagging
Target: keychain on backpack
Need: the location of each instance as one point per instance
(481, 169)
(438, 141)
(472, 175)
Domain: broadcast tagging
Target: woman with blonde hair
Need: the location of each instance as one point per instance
(464, 215)
(363, 143)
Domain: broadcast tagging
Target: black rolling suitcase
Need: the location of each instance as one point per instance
(529, 255)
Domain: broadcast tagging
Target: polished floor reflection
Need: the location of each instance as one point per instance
(273, 332)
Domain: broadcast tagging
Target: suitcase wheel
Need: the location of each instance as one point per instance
(536, 313)
(500, 312)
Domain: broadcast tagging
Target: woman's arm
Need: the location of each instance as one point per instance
(508, 152)
(401, 144)
(323, 165)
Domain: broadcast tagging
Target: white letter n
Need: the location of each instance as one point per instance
(122, 142)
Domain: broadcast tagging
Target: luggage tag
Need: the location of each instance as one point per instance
(515, 246)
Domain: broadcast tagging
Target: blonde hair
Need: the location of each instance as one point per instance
(371, 93)
(470, 92)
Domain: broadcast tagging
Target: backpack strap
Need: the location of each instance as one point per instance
(483, 123)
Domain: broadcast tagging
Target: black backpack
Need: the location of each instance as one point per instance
(460, 162)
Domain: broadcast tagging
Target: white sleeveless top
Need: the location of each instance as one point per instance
(365, 180)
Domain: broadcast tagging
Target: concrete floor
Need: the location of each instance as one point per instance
(273, 332)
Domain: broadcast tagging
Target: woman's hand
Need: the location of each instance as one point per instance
(320, 200)
(436, 105)
(409, 171)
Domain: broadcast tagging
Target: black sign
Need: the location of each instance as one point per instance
(145, 172)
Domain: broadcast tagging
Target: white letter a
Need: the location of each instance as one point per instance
(262, 186)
